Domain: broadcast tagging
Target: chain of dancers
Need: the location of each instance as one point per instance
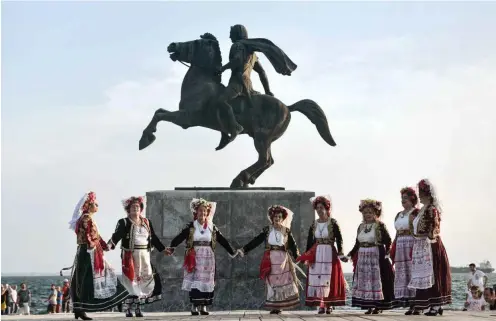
(420, 281)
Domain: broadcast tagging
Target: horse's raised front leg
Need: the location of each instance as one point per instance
(178, 117)
(262, 146)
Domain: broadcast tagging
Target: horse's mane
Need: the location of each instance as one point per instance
(218, 58)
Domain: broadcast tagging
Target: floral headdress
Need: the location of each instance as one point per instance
(287, 214)
(377, 205)
(141, 200)
(82, 207)
(411, 193)
(210, 206)
(323, 199)
(425, 186)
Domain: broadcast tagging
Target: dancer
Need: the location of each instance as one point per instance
(137, 238)
(201, 238)
(373, 279)
(277, 269)
(431, 272)
(94, 284)
(326, 285)
(401, 251)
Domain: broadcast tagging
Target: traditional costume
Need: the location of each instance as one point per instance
(139, 276)
(277, 268)
(326, 285)
(431, 273)
(401, 251)
(94, 284)
(199, 260)
(373, 278)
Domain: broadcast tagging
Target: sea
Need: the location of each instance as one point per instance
(40, 286)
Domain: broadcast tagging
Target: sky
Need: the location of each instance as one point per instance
(408, 89)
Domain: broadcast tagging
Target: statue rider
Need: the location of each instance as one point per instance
(242, 60)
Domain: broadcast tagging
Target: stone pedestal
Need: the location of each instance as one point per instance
(240, 216)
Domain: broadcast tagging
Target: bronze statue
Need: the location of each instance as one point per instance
(204, 101)
(242, 60)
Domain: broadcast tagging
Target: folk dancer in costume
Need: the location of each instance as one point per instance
(94, 284)
(401, 251)
(326, 285)
(277, 268)
(137, 238)
(242, 60)
(373, 279)
(201, 238)
(431, 273)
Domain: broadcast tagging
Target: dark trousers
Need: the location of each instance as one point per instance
(66, 306)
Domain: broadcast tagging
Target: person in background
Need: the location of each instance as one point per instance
(476, 278)
(24, 299)
(52, 300)
(59, 299)
(12, 298)
(4, 299)
(66, 297)
(475, 301)
(490, 297)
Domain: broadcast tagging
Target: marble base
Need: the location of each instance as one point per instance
(240, 216)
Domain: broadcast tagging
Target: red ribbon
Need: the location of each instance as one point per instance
(308, 255)
(190, 260)
(98, 265)
(392, 252)
(128, 265)
(265, 265)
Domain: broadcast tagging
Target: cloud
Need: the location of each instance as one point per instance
(400, 109)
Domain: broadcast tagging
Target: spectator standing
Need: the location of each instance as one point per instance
(52, 300)
(59, 299)
(24, 299)
(4, 299)
(66, 296)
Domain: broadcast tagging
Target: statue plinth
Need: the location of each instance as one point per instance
(195, 188)
(240, 216)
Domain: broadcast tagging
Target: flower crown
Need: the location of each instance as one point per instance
(322, 200)
(274, 209)
(90, 199)
(425, 186)
(200, 202)
(408, 191)
(377, 205)
(133, 199)
(411, 193)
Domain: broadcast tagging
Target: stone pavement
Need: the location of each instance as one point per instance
(252, 315)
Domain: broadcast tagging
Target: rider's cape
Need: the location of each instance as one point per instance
(279, 60)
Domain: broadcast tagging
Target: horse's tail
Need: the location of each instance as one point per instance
(316, 115)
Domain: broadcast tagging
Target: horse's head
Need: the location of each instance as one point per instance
(203, 53)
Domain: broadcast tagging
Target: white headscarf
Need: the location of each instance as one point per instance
(78, 211)
(432, 192)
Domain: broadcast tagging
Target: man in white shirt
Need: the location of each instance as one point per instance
(477, 278)
(13, 299)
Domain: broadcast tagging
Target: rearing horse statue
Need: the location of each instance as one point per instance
(265, 121)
